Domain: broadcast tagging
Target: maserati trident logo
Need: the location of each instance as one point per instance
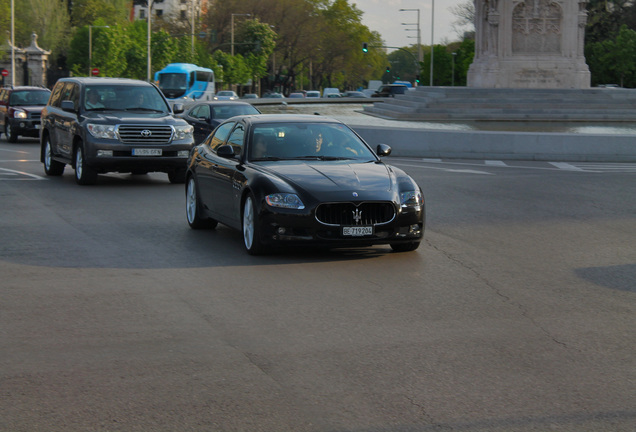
(146, 133)
(357, 216)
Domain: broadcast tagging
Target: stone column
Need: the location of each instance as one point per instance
(529, 44)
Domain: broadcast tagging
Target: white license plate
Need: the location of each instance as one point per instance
(146, 152)
(357, 231)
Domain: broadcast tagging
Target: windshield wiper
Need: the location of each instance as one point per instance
(267, 158)
(322, 158)
(143, 109)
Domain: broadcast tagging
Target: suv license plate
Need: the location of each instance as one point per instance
(146, 152)
(357, 231)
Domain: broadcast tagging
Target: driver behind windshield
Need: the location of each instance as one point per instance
(93, 100)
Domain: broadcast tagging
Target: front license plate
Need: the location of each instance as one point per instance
(357, 231)
(146, 152)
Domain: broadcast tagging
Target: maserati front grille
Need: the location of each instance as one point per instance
(350, 214)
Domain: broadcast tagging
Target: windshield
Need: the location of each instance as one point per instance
(29, 97)
(124, 98)
(313, 141)
(173, 84)
(227, 111)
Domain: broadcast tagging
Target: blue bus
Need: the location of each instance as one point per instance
(186, 81)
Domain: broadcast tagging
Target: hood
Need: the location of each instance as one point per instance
(30, 108)
(117, 117)
(330, 177)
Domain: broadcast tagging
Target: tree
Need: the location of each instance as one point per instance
(48, 20)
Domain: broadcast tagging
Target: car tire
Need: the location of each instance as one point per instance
(177, 176)
(84, 175)
(251, 229)
(12, 136)
(51, 166)
(193, 207)
(405, 247)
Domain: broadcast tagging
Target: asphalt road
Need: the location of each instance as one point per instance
(517, 313)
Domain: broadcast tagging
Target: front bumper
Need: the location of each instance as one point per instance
(289, 228)
(25, 127)
(110, 156)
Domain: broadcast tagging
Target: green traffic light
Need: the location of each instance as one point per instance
(365, 47)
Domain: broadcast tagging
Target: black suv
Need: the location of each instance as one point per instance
(101, 125)
(20, 109)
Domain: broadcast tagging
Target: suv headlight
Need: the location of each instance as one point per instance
(411, 199)
(285, 200)
(20, 114)
(102, 131)
(183, 132)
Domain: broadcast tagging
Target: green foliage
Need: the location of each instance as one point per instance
(122, 51)
(613, 61)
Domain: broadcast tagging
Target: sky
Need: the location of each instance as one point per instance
(385, 17)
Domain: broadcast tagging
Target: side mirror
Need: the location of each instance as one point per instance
(225, 151)
(178, 108)
(68, 105)
(383, 150)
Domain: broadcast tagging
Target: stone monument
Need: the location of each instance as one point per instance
(529, 44)
(30, 63)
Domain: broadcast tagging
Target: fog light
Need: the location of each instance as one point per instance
(104, 153)
(22, 124)
(414, 229)
(281, 230)
(183, 153)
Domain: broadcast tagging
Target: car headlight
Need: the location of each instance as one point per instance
(285, 200)
(102, 131)
(18, 113)
(183, 132)
(411, 199)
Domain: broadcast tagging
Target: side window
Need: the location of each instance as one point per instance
(236, 139)
(220, 135)
(56, 96)
(74, 94)
(67, 92)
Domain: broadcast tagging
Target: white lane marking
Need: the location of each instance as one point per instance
(565, 166)
(465, 171)
(15, 173)
(495, 163)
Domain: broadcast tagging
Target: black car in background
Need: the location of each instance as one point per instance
(390, 90)
(101, 125)
(205, 116)
(20, 109)
(301, 180)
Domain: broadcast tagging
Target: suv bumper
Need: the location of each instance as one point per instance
(25, 127)
(107, 156)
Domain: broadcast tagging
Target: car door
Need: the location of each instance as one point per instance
(62, 122)
(207, 162)
(225, 176)
(199, 118)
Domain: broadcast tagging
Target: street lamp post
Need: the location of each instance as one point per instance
(232, 30)
(453, 78)
(432, 35)
(419, 39)
(90, 46)
(149, 40)
(12, 43)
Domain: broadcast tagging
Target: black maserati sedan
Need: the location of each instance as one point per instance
(301, 180)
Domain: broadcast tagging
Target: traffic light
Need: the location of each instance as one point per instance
(365, 47)
(417, 79)
(388, 69)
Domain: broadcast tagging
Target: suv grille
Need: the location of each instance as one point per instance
(140, 134)
(366, 213)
